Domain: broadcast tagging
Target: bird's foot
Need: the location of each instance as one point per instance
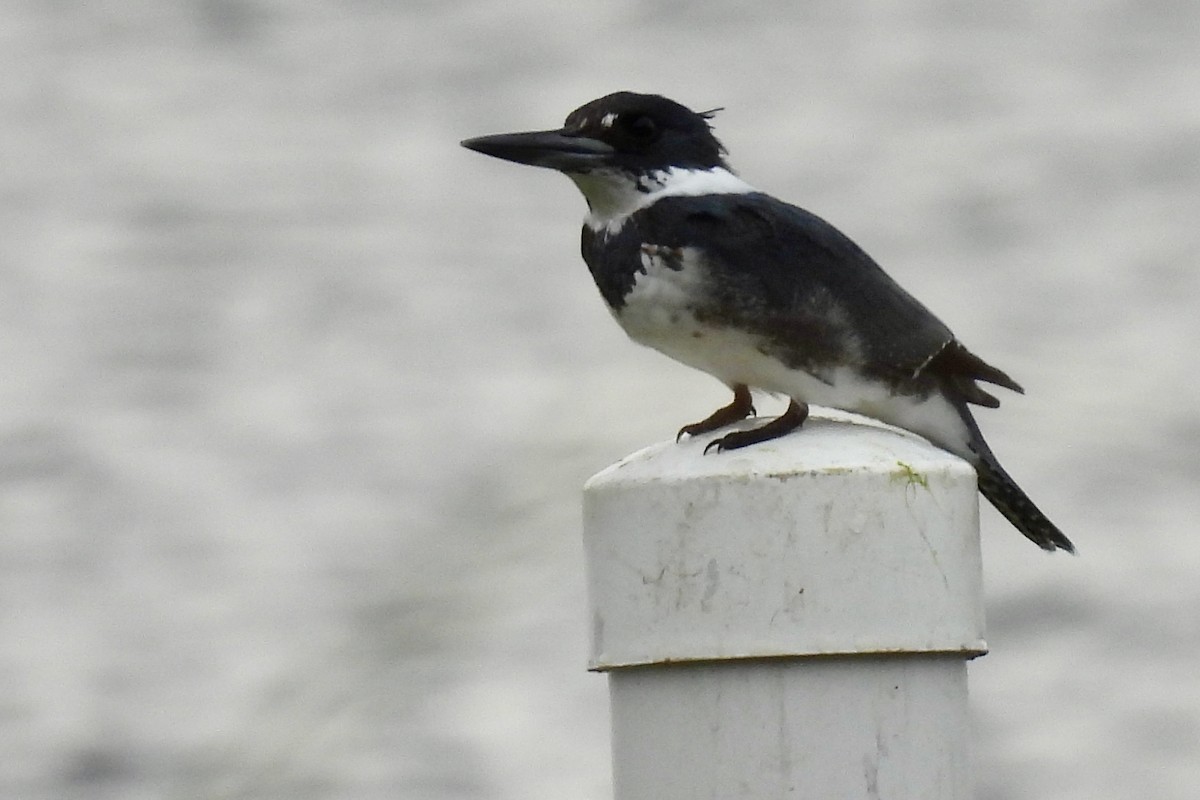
(740, 408)
(785, 423)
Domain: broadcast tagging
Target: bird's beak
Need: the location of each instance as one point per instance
(558, 150)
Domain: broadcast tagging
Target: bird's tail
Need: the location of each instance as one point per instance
(1009, 499)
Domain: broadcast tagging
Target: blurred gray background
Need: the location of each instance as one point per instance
(299, 395)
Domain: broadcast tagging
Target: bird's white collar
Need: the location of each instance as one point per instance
(613, 194)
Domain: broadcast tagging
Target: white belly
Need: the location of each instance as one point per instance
(657, 313)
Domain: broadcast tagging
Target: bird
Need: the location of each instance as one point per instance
(696, 263)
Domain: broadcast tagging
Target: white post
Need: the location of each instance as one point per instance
(792, 620)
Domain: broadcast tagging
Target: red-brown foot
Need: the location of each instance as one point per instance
(785, 423)
(740, 408)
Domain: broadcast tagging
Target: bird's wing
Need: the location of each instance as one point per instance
(816, 296)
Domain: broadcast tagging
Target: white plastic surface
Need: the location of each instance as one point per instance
(852, 728)
(844, 537)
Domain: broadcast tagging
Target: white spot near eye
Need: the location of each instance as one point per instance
(607, 120)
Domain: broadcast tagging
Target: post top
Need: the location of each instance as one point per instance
(831, 441)
(846, 537)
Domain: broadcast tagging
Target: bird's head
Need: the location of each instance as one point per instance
(624, 151)
(633, 133)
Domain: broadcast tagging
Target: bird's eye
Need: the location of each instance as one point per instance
(639, 126)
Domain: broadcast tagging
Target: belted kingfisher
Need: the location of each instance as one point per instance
(697, 264)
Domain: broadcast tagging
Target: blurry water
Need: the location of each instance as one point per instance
(299, 395)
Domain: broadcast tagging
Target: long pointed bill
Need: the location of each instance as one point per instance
(550, 149)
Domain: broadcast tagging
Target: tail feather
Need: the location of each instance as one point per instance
(1009, 499)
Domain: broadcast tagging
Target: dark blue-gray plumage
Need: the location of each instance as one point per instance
(697, 264)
